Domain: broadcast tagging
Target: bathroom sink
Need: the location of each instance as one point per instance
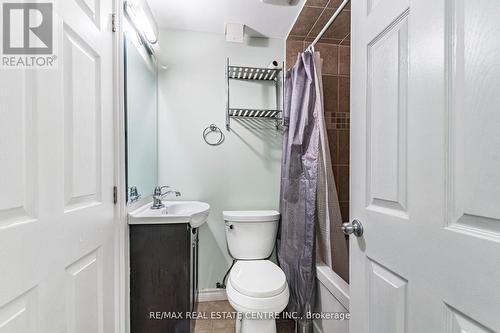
(193, 212)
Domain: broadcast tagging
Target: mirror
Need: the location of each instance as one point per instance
(141, 106)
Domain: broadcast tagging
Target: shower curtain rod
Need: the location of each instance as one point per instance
(330, 22)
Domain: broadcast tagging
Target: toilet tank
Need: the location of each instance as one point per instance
(251, 235)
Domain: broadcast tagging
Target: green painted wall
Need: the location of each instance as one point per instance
(242, 173)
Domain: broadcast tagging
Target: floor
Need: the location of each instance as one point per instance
(212, 311)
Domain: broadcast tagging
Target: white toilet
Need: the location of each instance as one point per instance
(256, 287)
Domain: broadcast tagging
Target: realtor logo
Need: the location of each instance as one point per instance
(27, 35)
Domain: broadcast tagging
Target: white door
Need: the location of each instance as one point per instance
(56, 179)
(425, 165)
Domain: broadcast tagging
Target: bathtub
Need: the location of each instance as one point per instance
(332, 295)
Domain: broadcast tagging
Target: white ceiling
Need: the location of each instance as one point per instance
(211, 15)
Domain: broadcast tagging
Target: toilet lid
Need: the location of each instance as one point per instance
(257, 278)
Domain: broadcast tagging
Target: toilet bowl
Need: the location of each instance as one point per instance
(257, 288)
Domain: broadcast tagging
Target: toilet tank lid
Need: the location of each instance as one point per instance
(251, 215)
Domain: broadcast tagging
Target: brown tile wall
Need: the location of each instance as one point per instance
(334, 48)
(313, 18)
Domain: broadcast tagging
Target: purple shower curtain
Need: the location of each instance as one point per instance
(299, 181)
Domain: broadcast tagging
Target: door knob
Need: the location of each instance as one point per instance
(355, 227)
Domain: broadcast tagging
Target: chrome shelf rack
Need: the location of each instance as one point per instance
(253, 74)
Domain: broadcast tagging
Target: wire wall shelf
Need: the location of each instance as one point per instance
(253, 74)
(255, 113)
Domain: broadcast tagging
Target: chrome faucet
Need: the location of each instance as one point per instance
(133, 194)
(158, 195)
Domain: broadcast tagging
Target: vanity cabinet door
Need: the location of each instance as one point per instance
(194, 267)
(160, 275)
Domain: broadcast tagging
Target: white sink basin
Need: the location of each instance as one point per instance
(193, 212)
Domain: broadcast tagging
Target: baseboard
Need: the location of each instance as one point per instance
(210, 295)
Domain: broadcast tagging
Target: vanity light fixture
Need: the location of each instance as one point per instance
(142, 19)
(281, 2)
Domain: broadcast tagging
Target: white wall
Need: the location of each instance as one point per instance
(243, 172)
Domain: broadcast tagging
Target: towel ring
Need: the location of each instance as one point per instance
(210, 129)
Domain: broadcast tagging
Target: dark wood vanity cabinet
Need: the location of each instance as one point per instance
(163, 277)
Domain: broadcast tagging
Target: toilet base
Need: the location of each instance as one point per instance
(244, 325)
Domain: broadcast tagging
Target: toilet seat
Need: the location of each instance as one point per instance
(257, 286)
(257, 278)
(243, 303)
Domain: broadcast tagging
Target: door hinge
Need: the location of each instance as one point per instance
(113, 22)
(115, 195)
